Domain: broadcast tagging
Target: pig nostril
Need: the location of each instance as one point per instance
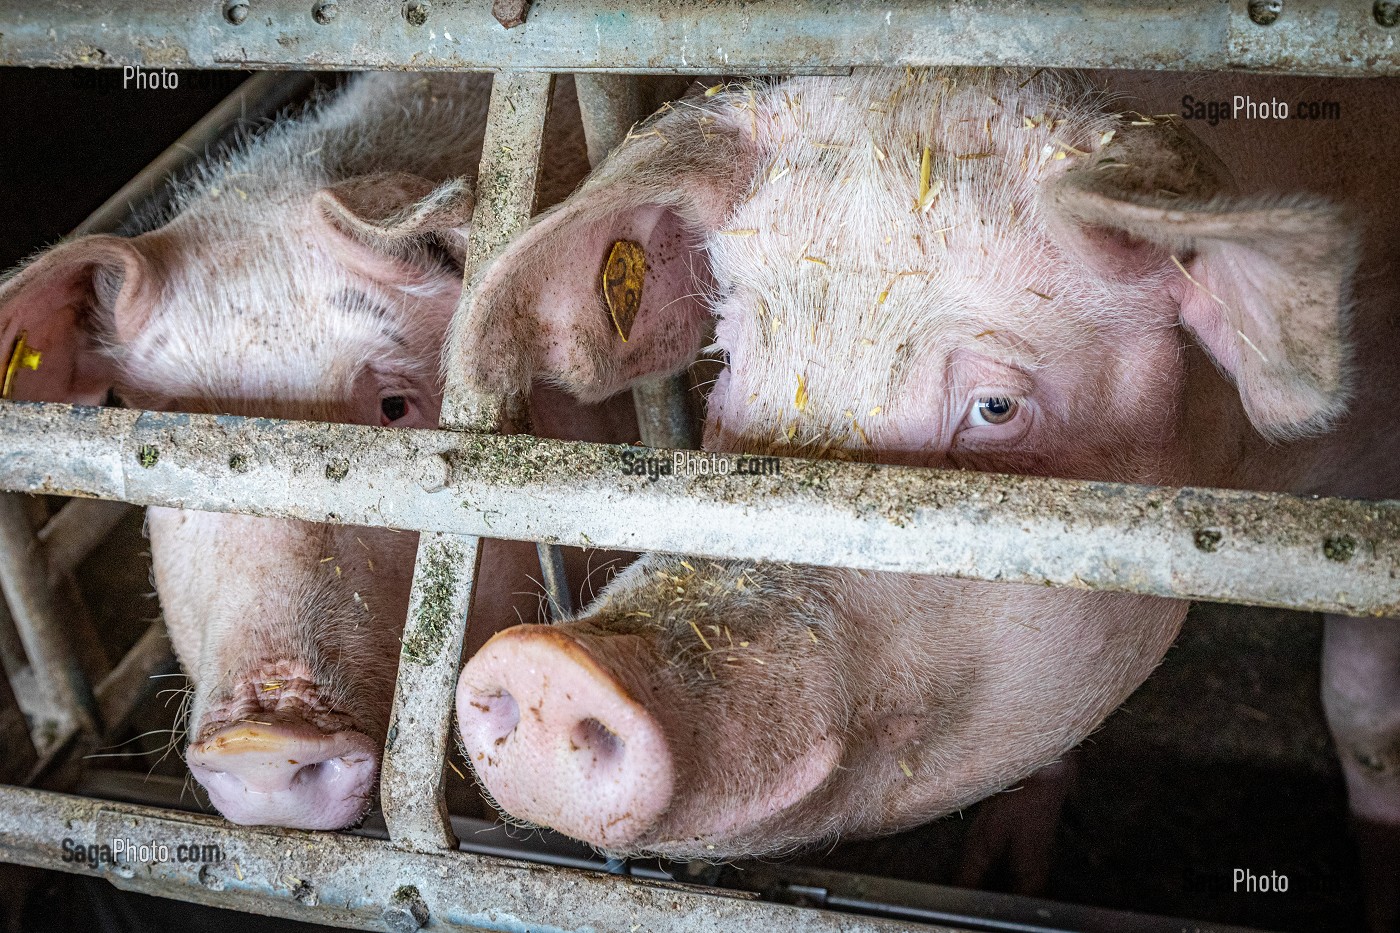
(590, 735)
(309, 774)
(499, 714)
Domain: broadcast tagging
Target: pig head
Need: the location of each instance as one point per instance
(959, 269)
(288, 630)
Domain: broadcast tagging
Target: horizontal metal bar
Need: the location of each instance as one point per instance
(1231, 546)
(783, 882)
(360, 883)
(711, 37)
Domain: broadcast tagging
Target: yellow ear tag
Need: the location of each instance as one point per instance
(21, 355)
(624, 272)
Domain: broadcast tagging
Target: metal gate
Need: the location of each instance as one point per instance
(1188, 543)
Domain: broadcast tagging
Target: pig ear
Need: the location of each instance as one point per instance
(57, 311)
(376, 219)
(542, 310)
(1262, 285)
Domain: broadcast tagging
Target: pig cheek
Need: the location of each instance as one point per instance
(800, 779)
(717, 414)
(174, 546)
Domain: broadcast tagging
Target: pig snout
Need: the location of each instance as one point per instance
(286, 773)
(559, 741)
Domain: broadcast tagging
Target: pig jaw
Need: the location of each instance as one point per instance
(290, 658)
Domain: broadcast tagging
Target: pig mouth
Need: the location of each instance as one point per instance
(282, 772)
(275, 755)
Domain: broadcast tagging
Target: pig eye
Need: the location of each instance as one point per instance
(994, 410)
(392, 408)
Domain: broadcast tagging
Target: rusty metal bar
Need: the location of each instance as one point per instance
(59, 676)
(1332, 555)
(411, 789)
(715, 37)
(611, 105)
(360, 883)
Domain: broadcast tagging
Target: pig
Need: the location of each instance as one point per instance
(974, 269)
(309, 272)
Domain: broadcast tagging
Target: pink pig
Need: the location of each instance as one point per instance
(310, 273)
(989, 270)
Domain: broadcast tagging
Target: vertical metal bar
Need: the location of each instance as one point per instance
(25, 580)
(415, 807)
(555, 577)
(611, 105)
(12, 658)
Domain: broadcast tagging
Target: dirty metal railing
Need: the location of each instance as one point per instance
(1223, 545)
(714, 37)
(465, 481)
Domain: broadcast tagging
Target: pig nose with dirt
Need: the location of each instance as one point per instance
(983, 270)
(309, 273)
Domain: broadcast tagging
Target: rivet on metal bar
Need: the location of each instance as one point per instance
(411, 786)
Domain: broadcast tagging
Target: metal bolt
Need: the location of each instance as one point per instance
(436, 473)
(510, 13)
(210, 878)
(406, 912)
(235, 12)
(416, 12)
(1387, 13)
(1264, 12)
(1340, 548)
(324, 12)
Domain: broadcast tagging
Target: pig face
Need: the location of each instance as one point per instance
(966, 269)
(332, 307)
